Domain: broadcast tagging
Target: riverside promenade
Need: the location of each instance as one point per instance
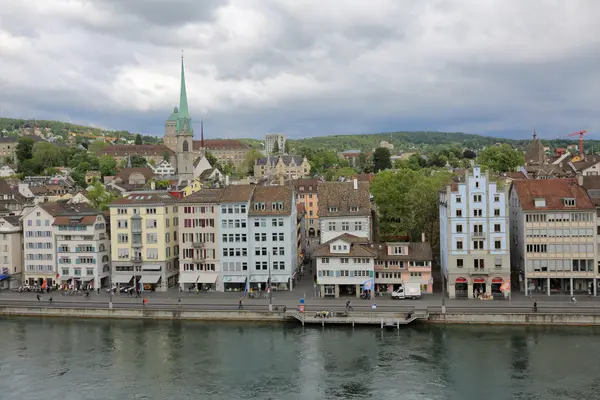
(224, 306)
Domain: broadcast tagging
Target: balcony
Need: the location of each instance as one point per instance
(136, 244)
(479, 271)
(198, 245)
(136, 259)
(478, 235)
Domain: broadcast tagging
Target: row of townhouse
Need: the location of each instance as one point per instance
(225, 239)
(534, 236)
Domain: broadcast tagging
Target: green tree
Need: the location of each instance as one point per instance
(365, 163)
(99, 198)
(286, 147)
(381, 159)
(503, 158)
(108, 165)
(275, 147)
(470, 154)
(138, 161)
(251, 156)
(138, 139)
(166, 156)
(415, 162)
(96, 146)
(322, 160)
(24, 149)
(415, 206)
(210, 157)
(336, 174)
(46, 155)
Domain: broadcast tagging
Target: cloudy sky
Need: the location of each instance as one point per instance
(306, 67)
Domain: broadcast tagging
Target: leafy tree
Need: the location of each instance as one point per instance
(228, 168)
(470, 154)
(416, 162)
(437, 160)
(251, 156)
(336, 174)
(24, 149)
(322, 160)
(46, 155)
(286, 147)
(503, 158)
(138, 161)
(275, 147)
(96, 146)
(166, 156)
(108, 165)
(381, 159)
(162, 184)
(99, 197)
(415, 206)
(365, 163)
(138, 139)
(211, 159)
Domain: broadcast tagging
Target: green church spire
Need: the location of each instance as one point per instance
(183, 105)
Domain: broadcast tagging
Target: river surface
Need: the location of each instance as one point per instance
(98, 359)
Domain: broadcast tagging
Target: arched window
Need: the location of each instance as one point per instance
(185, 145)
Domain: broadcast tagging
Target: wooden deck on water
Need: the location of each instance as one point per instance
(383, 320)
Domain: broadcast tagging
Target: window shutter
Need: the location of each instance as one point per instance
(351, 274)
(320, 273)
(371, 274)
(337, 274)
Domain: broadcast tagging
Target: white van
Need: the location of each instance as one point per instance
(407, 291)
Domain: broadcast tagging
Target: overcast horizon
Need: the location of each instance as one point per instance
(305, 67)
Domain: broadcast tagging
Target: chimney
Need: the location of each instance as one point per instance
(580, 179)
(226, 180)
(153, 185)
(422, 237)
(355, 184)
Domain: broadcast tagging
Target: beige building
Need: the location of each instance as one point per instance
(553, 236)
(151, 152)
(11, 252)
(289, 167)
(144, 244)
(199, 259)
(226, 151)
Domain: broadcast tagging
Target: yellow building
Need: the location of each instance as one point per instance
(144, 245)
(289, 167)
(193, 187)
(307, 194)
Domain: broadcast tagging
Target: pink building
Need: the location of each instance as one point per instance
(403, 262)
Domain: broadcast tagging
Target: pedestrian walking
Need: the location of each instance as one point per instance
(240, 305)
(50, 301)
(589, 292)
(145, 302)
(38, 297)
(535, 306)
(179, 302)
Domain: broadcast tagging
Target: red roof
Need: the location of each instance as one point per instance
(221, 144)
(554, 191)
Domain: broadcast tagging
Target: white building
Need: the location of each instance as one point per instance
(82, 248)
(344, 207)
(271, 139)
(6, 171)
(39, 245)
(474, 234)
(233, 237)
(163, 168)
(554, 239)
(11, 252)
(344, 264)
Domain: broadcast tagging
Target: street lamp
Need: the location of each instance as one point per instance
(269, 281)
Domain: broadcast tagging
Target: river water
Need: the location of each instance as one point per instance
(97, 359)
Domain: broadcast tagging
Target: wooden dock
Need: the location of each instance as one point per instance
(384, 320)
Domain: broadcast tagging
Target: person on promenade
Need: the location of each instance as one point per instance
(179, 302)
(240, 305)
(38, 297)
(535, 306)
(50, 301)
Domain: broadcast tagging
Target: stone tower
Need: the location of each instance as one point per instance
(184, 135)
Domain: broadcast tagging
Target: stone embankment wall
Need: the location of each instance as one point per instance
(516, 319)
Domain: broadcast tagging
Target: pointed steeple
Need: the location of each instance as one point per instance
(183, 105)
(534, 134)
(201, 133)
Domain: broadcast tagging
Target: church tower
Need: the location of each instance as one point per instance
(184, 136)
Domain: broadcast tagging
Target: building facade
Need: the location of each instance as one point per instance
(39, 249)
(474, 234)
(234, 245)
(344, 264)
(151, 152)
(307, 194)
(199, 255)
(273, 237)
(344, 207)
(144, 243)
(275, 167)
(271, 139)
(554, 240)
(184, 135)
(226, 151)
(82, 248)
(11, 252)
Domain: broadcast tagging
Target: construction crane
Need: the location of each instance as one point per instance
(580, 133)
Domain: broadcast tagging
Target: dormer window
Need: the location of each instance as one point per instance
(569, 202)
(258, 206)
(397, 250)
(302, 188)
(354, 209)
(332, 209)
(539, 202)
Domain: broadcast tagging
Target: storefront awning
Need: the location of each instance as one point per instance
(208, 277)
(189, 278)
(87, 279)
(151, 279)
(65, 278)
(150, 267)
(279, 278)
(234, 279)
(122, 278)
(461, 280)
(479, 280)
(259, 278)
(3, 277)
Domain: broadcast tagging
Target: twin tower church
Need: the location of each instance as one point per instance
(179, 135)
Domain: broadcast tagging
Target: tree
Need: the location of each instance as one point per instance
(138, 161)
(415, 206)
(470, 154)
(322, 160)
(275, 147)
(365, 163)
(210, 157)
(415, 162)
(96, 146)
(166, 156)
(251, 156)
(286, 147)
(138, 139)
(381, 159)
(46, 155)
(108, 165)
(24, 149)
(99, 198)
(503, 158)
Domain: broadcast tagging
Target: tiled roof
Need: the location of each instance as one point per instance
(203, 196)
(365, 177)
(5, 188)
(220, 144)
(342, 196)
(126, 172)
(237, 194)
(347, 237)
(144, 198)
(269, 195)
(306, 183)
(356, 250)
(553, 191)
(122, 150)
(516, 175)
(74, 220)
(417, 251)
